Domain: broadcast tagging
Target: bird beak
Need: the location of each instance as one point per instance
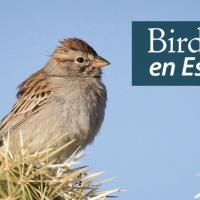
(99, 62)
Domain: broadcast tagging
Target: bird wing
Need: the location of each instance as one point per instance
(32, 96)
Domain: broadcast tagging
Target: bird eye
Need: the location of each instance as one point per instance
(80, 59)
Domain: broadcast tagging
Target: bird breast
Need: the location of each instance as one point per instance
(78, 108)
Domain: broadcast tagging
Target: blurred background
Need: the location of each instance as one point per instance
(150, 137)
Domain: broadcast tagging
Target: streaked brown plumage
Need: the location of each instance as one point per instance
(66, 97)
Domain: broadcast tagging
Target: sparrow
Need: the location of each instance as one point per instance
(65, 99)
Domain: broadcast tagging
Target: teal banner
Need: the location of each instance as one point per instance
(165, 53)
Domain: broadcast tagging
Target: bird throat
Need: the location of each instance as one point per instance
(90, 72)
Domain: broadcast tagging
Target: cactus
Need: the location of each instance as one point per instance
(35, 176)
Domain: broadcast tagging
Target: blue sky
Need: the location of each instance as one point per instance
(150, 137)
